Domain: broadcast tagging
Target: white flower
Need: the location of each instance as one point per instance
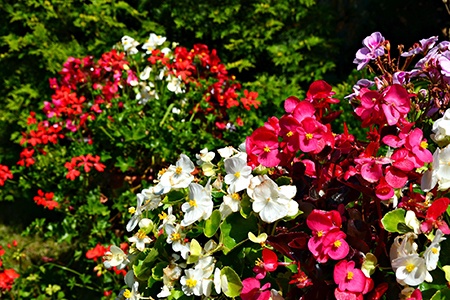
(168, 219)
(441, 130)
(411, 270)
(146, 93)
(204, 156)
(175, 84)
(199, 206)
(220, 281)
(129, 45)
(440, 172)
(403, 245)
(115, 257)
(412, 222)
(153, 42)
(431, 254)
(192, 282)
(176, 177)
(175, 236)
(270, 201)
(146, 73)
(165, 292)
(137, 212)
(226, 152)
(141, 238)
(238, 175)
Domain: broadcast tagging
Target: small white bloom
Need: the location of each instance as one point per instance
(226, 152)
(133, 294)
(165, 292)
(153, 42)
(146, 73)
(412, 222)
(204, 156)
(129, 45)
(220, 282)
(238, 175)
(199, 206)
(115, 257)
(403, 245)
(175, 84)
(270, 201)
(441, 130)
(168, 219)
(411, 270)
(141, 238)
(176, 110)
(192, 282)
(431, 254)
(176, 177)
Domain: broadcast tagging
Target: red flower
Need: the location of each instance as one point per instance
(5, 174)
(7, 278)
(433, 218)
(97, 252)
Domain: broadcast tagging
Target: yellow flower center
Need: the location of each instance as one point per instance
(175, 236)
(289, 134)
(192, 203)
(237, 174)
(191, 282)
(434, 250)
(266, 149)
(141, 234)
(309, 136)
(178, 170)
(235, 197)
(410, 267)
(337, 243)
(424, 144)
(349, 275)
(319, 233)
(131, 210)
(127, 294)
(162, 216)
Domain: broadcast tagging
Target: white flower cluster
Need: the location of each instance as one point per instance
(194, 266)
(411, 268)
(145, 87)
(440, 172)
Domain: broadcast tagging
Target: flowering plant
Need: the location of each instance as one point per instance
(303, 212)
(107, 121)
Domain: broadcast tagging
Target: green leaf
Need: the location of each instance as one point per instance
(446, 269)
(195, 250)
(142, 269)
(392, 219)
(234, 230)
(212, 224)
(234, 282)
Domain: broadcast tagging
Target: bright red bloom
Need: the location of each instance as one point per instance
(26, 157)
(97, 252)
(5, 174)
(46, 200)
(433, 218)
(7, 278)
(249, 100)
(269, 263)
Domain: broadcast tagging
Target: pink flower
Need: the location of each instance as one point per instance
(334, 244)
(396, 103)
(264, 144)
(252, 290)
(348, 278)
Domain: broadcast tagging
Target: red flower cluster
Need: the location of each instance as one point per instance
(46, 200)
(7, 276)
(83, 161)
(5, 174)
(199, 64)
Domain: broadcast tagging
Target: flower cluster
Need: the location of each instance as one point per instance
(46, 200)
(7, 275)
(320, 207)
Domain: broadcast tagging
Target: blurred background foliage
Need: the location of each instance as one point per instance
(275, 47)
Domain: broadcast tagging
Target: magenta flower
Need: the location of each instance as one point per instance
(264, 144)
(348, 278)
(396, 103)
(334, 244)
(252, 290)
(373, 47)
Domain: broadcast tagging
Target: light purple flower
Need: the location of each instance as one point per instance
(373, 47)
(425, 44)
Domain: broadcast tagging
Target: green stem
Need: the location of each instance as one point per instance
(105, 132)
(168, 110)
